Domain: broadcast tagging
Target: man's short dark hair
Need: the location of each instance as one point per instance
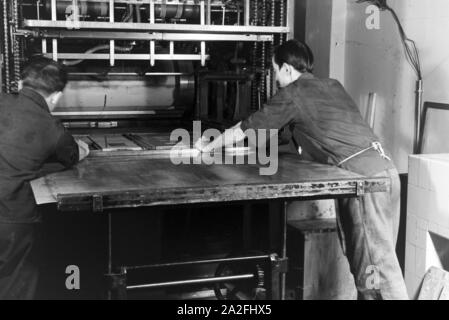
(295, 53)
(44, 75)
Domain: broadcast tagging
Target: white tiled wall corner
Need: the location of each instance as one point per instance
(411, 228)
(413, 169)
(427, 211)
(437, 171)
(421, 238)
(432, 257)
(410, 258)
(418, 201)
(413, 199)
(420, 261)
(424, 174)
(422, 223)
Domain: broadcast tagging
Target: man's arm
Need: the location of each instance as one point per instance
(228, 138)
(69, 151)
(276, 114)
(66, 151)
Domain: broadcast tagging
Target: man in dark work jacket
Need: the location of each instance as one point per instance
(326, 123)
(29, 137)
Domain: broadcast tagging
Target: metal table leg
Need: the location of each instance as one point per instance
(284, 247)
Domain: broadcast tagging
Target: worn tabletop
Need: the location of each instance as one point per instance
(101, 183)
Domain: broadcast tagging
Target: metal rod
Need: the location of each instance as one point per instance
(290, 18)
(284, 245)
(202, 13)
(109, 249)
(44, 46)
(192, 282)
(200, 262)
(203, 54)
(143, 56)
(209, 12)
(203, 22)
(152, 43)
(38, 3)
(154, 27)
(53, 10)
(148, 74)
(103, 113)
(55, 49)
(419, 115)
(172, 48)
(370, 115)
(247, 12)
(223, 15)
(112, 42)
(55, 41)
(139, 2)
(147, 36)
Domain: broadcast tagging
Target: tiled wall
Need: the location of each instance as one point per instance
(427, 216)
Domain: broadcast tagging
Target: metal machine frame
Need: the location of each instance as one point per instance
(256, 28)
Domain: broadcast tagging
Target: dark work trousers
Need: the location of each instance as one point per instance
(368, 228)
(18, 268)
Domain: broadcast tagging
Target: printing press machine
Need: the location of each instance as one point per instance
(136, 73)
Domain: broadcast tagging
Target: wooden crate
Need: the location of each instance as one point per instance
(318, 269)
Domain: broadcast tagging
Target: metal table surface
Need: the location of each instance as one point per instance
(101, 183)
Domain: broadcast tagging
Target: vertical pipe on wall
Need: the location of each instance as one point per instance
(419, 119)
(370, 115)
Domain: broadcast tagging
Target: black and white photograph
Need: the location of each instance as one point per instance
(231, 157)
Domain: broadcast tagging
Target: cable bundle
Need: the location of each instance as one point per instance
(410, 48)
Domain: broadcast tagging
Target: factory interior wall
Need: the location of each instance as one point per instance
(374, 61)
